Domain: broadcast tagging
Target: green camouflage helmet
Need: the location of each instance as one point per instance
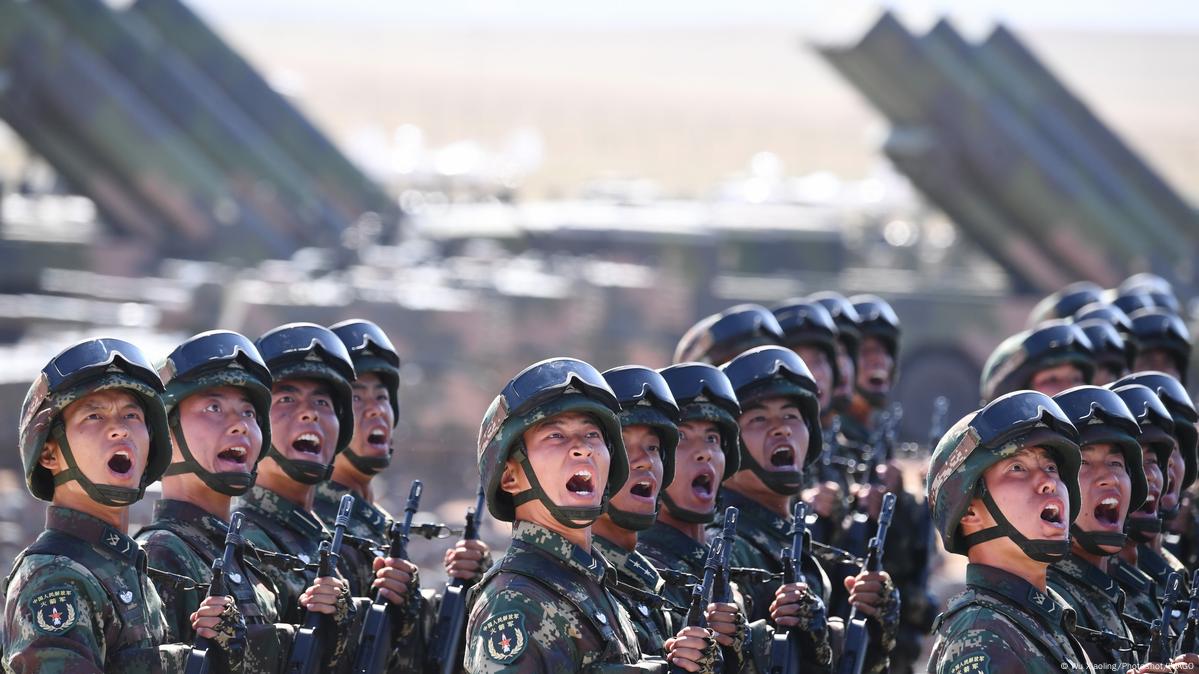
(718, 338)
(539, 392)
(980, 440)
(87, 367)
(1014, 362)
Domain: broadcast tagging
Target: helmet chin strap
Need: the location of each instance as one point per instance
(572, 517)
(304, 472)
(783, 482)
(104, 494)
(367, 465)
(631, 521)
(688, 516)
(1041, 550)
(1094, 541)
(229, 484)
(1143, 529)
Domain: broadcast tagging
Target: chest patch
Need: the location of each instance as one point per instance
(504, 637)
(54, 611)
(971, 663)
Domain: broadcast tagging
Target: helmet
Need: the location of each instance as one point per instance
(803, 323)
(980, 440)
(208, 360)
(645, 399)
(540, 391)
(1182, 411)
(1109, 348)
(718, 338)
(771, 372)
(1017, 358)
(1158, 328)
(371, 351)
(82, 368)
(1063, 303)
(1157, 435)
(1157, 288)
(1131, 302)
(309, 351)
(1102, 417)
(844, 316)
(877, 319)
(1107, 312)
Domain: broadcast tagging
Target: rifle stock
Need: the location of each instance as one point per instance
(785, 649)
(701, 593)
(202, 654)
(371, 657)
(308, 648)
(448, 635)
(853, 655)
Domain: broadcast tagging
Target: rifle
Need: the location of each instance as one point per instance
(701, 593)
(1190, 633)
(785, 651)
(200, 659)
(882, 449)
(853, 655)
(722, 589)
(308, 648)
(376, 631)
(447, 652)
(1161, 647)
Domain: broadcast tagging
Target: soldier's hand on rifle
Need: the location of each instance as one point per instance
(212, 612)
(825, 498)
(323, 595)
(394, 578)
(795, 604)
(891, 477)
(868, 592)
(692, 649)
(727, 623)
(467, 559)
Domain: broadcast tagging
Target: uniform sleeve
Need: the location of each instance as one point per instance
(512, 631)
(54, 619)
(168, 552)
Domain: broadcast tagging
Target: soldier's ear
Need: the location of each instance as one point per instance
(972, 518)
(49, 456)
(513, 479)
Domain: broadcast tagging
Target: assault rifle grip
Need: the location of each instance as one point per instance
(200, 659)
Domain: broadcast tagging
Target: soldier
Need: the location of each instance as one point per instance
(846, 318)
(217, 400)
(550, 453)
(780, 436)
(716, 339)
(93, 435)
(1003, 485)
(1111, 482)
(1164, 342)
(1050, 358)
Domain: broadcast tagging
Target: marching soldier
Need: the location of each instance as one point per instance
(93, 435)
(846, 318)
(1050, 358)
(718, 338)
(550, 453)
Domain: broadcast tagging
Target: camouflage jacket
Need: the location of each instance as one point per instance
(1098, 604)
(640, 593)
(184, 539)
(276, 525)
(1142, 600)
(1001, 624)
(544, 608)
(1159, 565)
(78, 600)
(369, 526)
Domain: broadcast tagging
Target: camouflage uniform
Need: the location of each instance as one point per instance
(1141, 592)
(79, 600)
(1158, 565)
(651, 620)
(1001, 623)
(1098, 603)
(545, 608)
(184, 539)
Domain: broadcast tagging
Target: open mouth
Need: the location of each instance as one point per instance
(702, 485)
(643, 489)
(581, 483)
(1150, 506)
(877, 380)
(236, 455)
(307, 443)
(121, 463)
(377, 438)
(1108, 512)
(783, 455)
(1052, 513)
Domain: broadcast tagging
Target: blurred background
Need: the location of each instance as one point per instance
(499, 182)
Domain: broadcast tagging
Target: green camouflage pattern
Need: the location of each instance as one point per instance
(651, 623)
(1002, 624)
(958, 463)
(499, 434)
(1096, 599)
(544, 608)
(184, 539)
(78, 600)
(1139, 590)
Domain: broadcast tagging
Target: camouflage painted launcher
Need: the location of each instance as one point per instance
(1014, 159)
(256, 169)
(102, 122)
(337, 178)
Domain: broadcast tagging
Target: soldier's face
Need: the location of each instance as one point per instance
(822, 371)
(570, 458)
(844, 391)
(1105, 374)
(1156, 359)
(639, 494)
(1031, 494)
(304, 425)
(1156, 480)
(775, 434)
(874, 366)
(1053, 380)
(109, 439)
(221, 430)
(373, 418)
(698, 466)
(1105, 487)
(1175, 470)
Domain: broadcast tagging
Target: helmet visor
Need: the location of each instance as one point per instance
(636, 385)
(363, 337)
(213, 351)
(87, 359)
(1014, 414)
(549, 379)
(297, 341)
